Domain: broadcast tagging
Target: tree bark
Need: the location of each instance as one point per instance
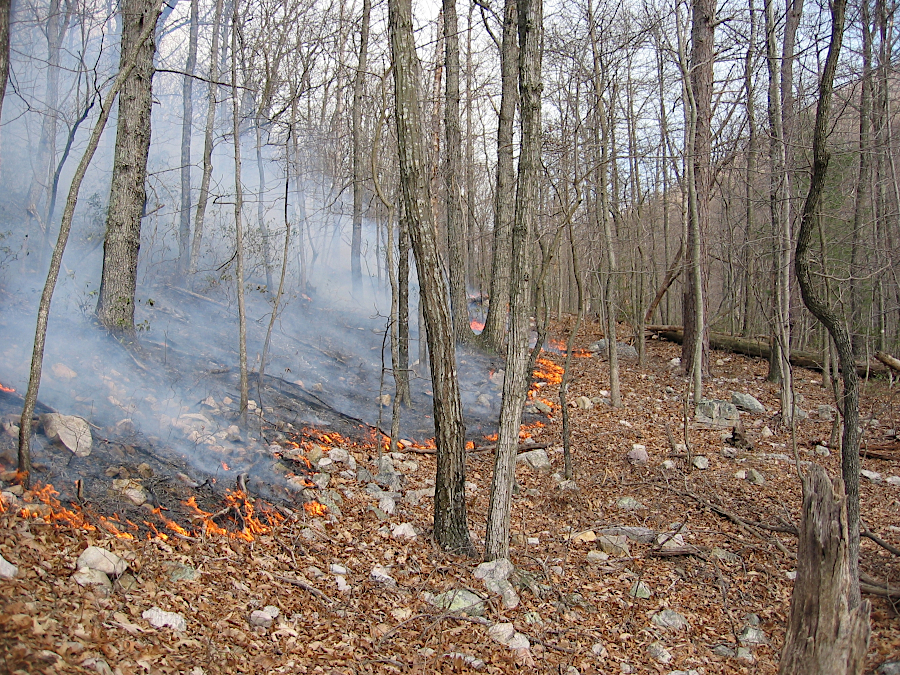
(515, 383)
(828, 630)
(359, 81)
(187, 126)
(456, 243)
(450, 525)
(816, 304)
(4, 47)
(203, 196)
(115, 307)
(494, 333)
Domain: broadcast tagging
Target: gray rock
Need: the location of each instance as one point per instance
(747, 402)
(684, 672)
(458, 600)
(96, 558)
(643, 535)
(388, 505)
(73, 432)
(658, 652)
(756, 477)
(7, 569)
(623, 349)
(403, 531)
(752, 635)
(638, 455)
(640, 590)
(629, 504)
(508, 596)
(132, 490)
(160, 619)
(744, 654)
(494, 570)
(416, 496)
(670, 619)
(718, 413)
(584, 402)
(322, 480)
(722, 554)
(260, 618)
(363, 475)
(669, 541)
(724, 651)
(826, 412)
(179, 572)
(888, 668)
(567, 487)
(822, 451)
(338, 569)
(873, 476)
(85, 576)
(669, 465)
(541, 407)
(505, 634)
(595, 557)
(381, 575)
(537, 460)
(893, 480)
(615, 545)
(700, 462)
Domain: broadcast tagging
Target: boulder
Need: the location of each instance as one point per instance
(718, 413)
(537, 460)
(747, 402)
(71, 431)
(96, 558)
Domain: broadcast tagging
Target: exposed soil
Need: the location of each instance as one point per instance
(569, 606)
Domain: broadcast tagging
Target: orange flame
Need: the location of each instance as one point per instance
(7, 389)
(476, 325)
(315, 508)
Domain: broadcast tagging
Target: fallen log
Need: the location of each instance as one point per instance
(760, 349)
(888, 360)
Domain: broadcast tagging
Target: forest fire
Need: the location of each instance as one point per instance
(477, 325)
(559, 347)
(9, 390)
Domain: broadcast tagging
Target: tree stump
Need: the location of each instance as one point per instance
(825, 634)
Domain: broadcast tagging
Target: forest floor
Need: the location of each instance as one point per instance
(577, 609)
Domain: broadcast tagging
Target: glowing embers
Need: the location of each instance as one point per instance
(476, 325)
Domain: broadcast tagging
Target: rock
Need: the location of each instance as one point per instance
(658, 652)
(342, 584)
(160, 619)
(756, 477)
(718, 413)
(537, 460)
(614, 545)
(670, 541)
(567, 487)
(73, 432)
(640, 590)
(629, 504)
(888, 668)
(132, 490)
(85, 576)
(722, 554)
(416, 496)
(505, 634)
(638, 455)
(473, 662)
(260, 618)
(822, 451)
(403, 531)
(96, 558)
(458, 600)
(752, 635)
(599, 650)
(179, 572)
(747, 402)
(381, 575)
(724, 651)
(63, 372)
(766, 433)
(684, 672)
(700, 462)
(595, 557)
(826, 412)
(363, 475)
(893, 480)
(388, 505)
(873, 476)
(670, 619)
(7, 569)
(669, 464)
(326, 464)
(339, 570)
(494, 570)
(744, 654)
(339, 455)
(675, 363)
(623, 349)
(583, 402)
(587, 537)
(643, 535)
(321, 480)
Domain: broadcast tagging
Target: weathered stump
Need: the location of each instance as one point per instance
(825, 634)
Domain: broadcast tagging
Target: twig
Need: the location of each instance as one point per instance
(866, 532)
(306, 587)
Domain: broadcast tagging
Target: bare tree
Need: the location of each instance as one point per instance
(4, 47)
(450, 525)
(359, 81)
(115, 307)
(187, 125)
(515, 382)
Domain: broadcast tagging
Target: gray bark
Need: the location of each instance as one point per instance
(358, 84)
(115, 307)
(187, 126)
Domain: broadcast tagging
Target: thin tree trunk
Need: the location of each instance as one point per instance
(261, 206)
(515, 383)
(4, 47)
(40, 333)
(494, 333)
(187, 125)
(818, 305)
(450, 524)
(238, 216)
(203, 196)
(359, 81)
(128, 193)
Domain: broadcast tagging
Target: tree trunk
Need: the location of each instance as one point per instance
(238, 216)
(817, 305)
(456, 243)
(115, 307)
(187, 125)
(494, 332)
(4, 47)
(695, 349)
(359, 81)
(203, 196)
(828, 632)
(515, 383)
(450, 525)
